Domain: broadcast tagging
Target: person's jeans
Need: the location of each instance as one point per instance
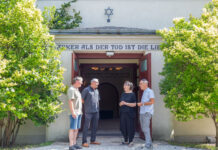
(93, 119)
(75, 123)
(145, 125)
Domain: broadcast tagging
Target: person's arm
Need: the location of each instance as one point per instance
(99, 96)
(150, 102)
(84, 93)
(147, 103)
(121, 101)
(71, 97)
(72, 108)
(130, 104)
(133, 102)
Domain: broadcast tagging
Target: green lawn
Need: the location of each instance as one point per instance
(196, 145)
(21, 147)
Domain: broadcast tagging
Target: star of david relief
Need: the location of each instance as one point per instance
(108, 13)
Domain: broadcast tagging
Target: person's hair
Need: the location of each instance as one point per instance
(144, 81)
(95, 80)
(130, 84)
(78, 78)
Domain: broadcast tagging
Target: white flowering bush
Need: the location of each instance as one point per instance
(190, 72)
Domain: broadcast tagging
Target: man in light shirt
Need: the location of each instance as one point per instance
(146, 111)
(75, 111)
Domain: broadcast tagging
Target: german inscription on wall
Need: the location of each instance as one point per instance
(109, 47)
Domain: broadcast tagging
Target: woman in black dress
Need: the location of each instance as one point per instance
(128, 113)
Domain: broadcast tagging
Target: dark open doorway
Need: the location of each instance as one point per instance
(111, 77)
(144, 71)
(109, 107)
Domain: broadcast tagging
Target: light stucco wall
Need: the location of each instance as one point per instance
(58, 130)
(164, 126)
(162, 120)
(194, 131)
(31, 134)
(148, 14)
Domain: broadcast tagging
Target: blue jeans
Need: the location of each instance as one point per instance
(145, 125)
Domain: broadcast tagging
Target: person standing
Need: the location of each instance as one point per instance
(146, 111)
(90, 96)
(75, 111)
(128, 113)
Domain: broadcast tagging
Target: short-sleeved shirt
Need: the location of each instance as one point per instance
(129, 98)
(74, 95)
(147, 95)
(91, 99)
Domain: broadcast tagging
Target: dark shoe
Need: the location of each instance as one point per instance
(124, 143)
(71, 148)
(149, 147)
(85, 145)
(96, 143)
(77, 146)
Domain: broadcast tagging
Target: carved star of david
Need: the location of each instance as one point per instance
(108, 13)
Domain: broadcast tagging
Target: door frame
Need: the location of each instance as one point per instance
(132, 65)
(138, 56)
(147, 75)
(104, 56)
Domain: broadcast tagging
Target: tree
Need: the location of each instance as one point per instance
(30, 71)
(190, 71)
(60, 18)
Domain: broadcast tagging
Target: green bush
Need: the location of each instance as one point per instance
(30, 72)
(60, 18)
(190, 71)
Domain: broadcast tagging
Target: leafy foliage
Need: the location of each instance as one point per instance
(60, 18)
(190, 72)
(30, 71)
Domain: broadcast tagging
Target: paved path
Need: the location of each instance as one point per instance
(113, 143)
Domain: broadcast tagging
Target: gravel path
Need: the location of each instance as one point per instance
(113, 143)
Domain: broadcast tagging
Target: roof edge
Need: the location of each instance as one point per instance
(109, 30)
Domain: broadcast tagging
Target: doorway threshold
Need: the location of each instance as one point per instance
(109, 133)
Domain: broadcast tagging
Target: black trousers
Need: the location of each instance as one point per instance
(90, 118)
(127, 126)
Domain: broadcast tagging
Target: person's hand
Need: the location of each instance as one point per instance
(124, 103)
(74, 115)
(121, 103)
(139, 104)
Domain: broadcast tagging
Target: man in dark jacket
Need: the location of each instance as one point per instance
(90, 96)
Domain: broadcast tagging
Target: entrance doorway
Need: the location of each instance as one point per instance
(109, 72)
(109, 107)
(111, 77)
